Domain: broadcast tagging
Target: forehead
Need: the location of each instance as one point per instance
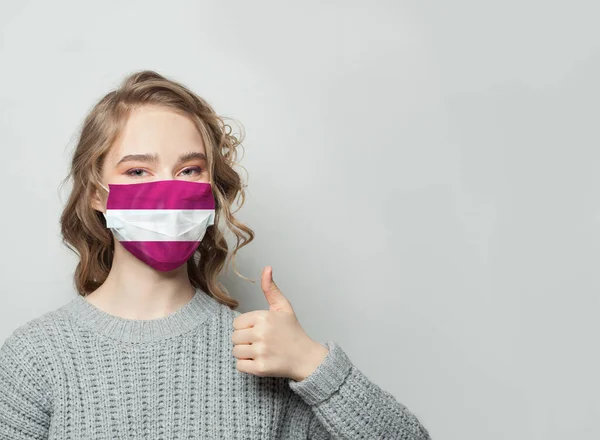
(158, 130)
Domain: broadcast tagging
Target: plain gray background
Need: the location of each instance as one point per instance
(421, 179)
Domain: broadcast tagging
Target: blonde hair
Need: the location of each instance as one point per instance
(84, 229)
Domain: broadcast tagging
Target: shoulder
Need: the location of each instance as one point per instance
(28, 339)
(25, 365)
(19, 349)
(31, 339)
(31, 330)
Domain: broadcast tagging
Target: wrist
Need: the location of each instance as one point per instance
(311, 360)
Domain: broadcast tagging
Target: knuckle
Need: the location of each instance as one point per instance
(261, 368)
(264, 315)
(260, 349)
(259, 334)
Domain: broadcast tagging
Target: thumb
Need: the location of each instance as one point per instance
(277, 301)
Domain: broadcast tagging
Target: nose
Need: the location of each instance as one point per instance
(165, 173)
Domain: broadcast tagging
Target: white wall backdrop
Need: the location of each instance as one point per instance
(421, 178)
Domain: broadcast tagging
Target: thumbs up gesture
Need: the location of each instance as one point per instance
(272, 342)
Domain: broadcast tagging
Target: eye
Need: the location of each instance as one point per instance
(136, 172)
(192, 171)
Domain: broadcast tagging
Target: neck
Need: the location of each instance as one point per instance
(135, 290)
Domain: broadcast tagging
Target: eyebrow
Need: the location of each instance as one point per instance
(192, 155)
(153, 158)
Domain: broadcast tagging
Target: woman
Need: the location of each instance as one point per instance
(152, 346)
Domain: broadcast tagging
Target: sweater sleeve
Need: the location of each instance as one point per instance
(24, 405)
(347, 405)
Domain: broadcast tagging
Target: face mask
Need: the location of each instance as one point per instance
(161, 223)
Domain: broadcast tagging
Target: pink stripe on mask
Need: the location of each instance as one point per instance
(161, 194)
(162, 255)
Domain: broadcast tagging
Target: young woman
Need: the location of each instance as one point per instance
(152, 347)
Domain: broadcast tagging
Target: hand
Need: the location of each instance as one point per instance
(272, 342)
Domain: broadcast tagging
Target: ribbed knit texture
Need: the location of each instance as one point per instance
(80, 373)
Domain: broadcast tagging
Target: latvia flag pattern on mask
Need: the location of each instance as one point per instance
(161, 223)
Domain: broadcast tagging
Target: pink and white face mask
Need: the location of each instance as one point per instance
(161, 223)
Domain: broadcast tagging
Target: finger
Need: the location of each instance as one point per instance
(256, 368)
(243, 336)
(276, 299)
(266, 280)
(243, 351)
(245, 365)
(249, 319)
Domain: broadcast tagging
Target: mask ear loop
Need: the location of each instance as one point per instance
(108, 192)
(109, 250)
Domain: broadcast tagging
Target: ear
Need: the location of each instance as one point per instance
(98, 200)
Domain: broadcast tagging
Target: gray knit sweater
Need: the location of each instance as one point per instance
(80, 373)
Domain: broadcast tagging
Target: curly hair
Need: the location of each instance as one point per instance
(84, 229)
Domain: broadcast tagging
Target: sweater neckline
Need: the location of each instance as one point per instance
(189, 316)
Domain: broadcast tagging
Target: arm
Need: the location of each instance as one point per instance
(347, 405)
(24, 405)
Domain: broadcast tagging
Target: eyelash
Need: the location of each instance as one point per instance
(197, 169)
(132, 171)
